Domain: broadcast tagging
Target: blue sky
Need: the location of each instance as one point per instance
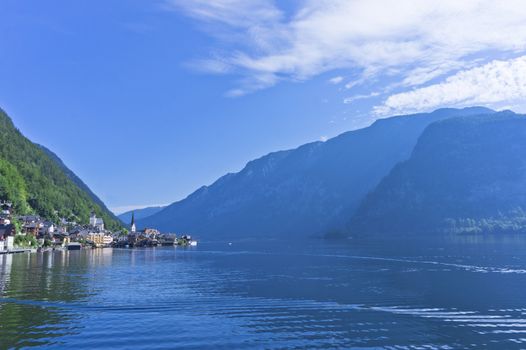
(148, 100)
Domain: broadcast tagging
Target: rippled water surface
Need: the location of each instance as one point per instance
(449, 294)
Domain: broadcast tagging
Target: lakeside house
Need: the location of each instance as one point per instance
(148, 237)
(100, 239)
(65, 234)
(4, 219)
(7, 237)
(188, 241)
(94, 221)
(46, 229)
(5, 207)
(74, 246)
(145, 238)
(31, 224)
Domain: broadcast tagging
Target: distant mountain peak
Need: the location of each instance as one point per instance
(465, 175)
(310, 190)
(139, 214)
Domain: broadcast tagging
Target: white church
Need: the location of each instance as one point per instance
(96, 222)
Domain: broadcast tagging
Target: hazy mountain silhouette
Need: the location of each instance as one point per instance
(139, 214)
(311, 190)
(465, 175)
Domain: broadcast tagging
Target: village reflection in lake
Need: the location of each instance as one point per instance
(458, 292)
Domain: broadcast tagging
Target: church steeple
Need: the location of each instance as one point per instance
(133, 223)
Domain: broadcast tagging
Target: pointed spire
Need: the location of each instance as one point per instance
(132, 226)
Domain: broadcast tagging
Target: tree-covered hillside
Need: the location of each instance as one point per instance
(37, 183)
(465, 175)
(78, 181)
(13, 187)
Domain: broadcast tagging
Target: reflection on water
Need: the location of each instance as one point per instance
(461, 292)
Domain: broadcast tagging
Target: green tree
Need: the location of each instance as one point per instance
(36, 181)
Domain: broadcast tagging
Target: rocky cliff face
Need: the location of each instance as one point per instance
(465, 175)
(311, 190)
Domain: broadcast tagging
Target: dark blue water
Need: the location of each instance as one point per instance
(448, 294)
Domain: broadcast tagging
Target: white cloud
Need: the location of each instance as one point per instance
(336, 80)
(351, 99)
(492, 84)
(419, 40)
(236, 13)
(323, 138)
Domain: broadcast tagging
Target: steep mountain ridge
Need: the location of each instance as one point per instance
(465, 175)
(78, 181)
(139, 213)
(311, 190)
(39, 182)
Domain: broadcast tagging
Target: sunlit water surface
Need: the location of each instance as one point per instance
(449, 294)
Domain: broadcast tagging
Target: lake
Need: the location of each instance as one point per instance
(463, 292)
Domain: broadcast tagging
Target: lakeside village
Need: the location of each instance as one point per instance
(31, 233)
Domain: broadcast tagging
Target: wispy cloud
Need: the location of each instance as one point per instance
(495, 83)
(235, 13)
(419, 40)
(351, 99)
(336, 80)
